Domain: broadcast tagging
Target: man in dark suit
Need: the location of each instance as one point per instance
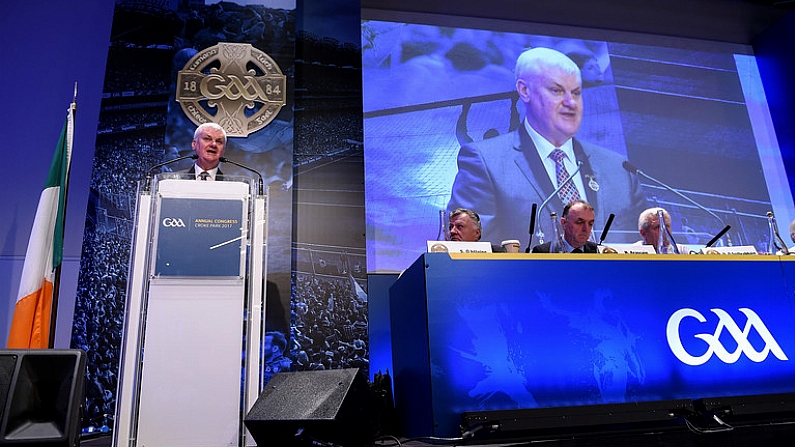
(209, 142)
(502, 177)
(577, 222)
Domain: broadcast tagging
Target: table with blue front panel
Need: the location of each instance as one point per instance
(474, 332)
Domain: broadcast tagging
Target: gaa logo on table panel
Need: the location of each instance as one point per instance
(175, 222)
(715, 347)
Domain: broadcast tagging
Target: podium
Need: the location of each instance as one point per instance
(194, 316)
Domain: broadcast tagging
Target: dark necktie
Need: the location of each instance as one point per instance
(204, 175)
(569, 192)
(577, 250)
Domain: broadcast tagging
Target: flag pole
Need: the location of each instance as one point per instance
(56, 289)
(34, 311)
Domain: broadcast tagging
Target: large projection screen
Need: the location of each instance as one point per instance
(692, 115)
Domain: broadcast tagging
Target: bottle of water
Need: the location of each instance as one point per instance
(665, 240)
(556, 245)
(775, 243)
(442, 235)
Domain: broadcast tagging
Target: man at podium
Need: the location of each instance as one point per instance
(502, 177)
(209, 142)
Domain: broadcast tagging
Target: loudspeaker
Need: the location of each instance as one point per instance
(42, 394)
(330, 407)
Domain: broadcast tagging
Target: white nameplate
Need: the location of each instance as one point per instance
(739, 250)
(629, 249)
(458, 247)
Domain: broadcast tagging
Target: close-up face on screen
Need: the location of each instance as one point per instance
(449, 118)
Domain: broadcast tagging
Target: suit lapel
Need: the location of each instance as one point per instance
(532, 168)
(586, 173)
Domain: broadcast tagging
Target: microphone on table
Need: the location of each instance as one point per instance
(259, 176)
(718, 236)
(632, 169)
(150, 172)
(532, 227)
(607, 227)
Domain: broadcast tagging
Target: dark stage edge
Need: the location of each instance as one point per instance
(762, 435)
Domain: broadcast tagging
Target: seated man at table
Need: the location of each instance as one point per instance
(465, 225)
(577, 221)
(649, 228)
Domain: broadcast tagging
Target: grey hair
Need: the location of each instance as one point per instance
(213, 126)
(535, 61)
(643, 219)
(472, 215)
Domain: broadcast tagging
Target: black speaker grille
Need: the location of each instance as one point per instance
(312, 407)
(44, 398)
(314, 395)
(8, 363)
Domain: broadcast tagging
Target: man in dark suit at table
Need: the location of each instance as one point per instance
(577, 222)
(209, 143)
(502, 177)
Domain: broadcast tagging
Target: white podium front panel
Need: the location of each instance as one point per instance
(190, 382)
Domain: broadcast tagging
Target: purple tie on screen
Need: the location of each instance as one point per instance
(569, 192)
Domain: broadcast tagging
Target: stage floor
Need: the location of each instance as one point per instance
(765, 434)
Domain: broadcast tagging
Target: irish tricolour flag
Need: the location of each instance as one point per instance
(30, 327)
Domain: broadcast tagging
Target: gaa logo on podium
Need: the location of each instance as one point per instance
(715, 347)
(173, 222)
(234, 85)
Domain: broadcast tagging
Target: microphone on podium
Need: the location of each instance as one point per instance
(532, 227)
(151, 170)
(259, 176)
(632, 169)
